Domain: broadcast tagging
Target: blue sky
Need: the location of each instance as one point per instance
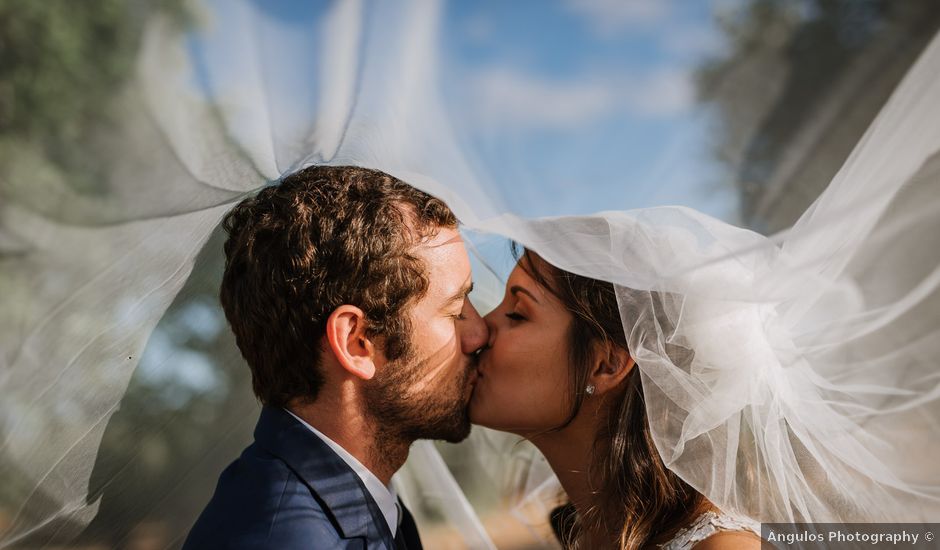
(570, 106)
(596, 99)
(573, 106)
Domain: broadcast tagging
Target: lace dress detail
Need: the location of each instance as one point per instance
(706, 525)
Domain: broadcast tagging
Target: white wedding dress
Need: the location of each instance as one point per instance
(706, 525)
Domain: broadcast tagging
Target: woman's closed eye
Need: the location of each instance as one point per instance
(515, 316)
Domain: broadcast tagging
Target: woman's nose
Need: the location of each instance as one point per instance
(474, 331)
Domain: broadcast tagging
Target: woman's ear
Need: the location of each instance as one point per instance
(613, 365)
(346, 335)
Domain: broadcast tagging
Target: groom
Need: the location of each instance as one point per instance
(347, 293)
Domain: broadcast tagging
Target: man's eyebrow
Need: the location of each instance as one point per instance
(461, 294)
(516, 288)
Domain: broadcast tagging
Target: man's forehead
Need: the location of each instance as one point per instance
(443, 250)
(443, 237)
(446, 260)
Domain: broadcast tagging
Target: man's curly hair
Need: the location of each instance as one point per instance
(325, 236)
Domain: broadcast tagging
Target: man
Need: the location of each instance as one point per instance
(347, 293)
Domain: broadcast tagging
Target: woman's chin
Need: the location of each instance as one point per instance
(481, 413)
(485, 417)
(485, 412)
(477, 409)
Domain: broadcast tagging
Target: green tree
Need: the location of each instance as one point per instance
(60, 62)
(799, 84)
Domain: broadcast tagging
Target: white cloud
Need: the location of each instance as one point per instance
(676, 33)
(515, 98)
(610, 16)
(666, 92)
(693, 40)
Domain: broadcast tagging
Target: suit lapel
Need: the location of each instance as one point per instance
(355, 512)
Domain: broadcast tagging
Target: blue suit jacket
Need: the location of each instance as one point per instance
(288, 490)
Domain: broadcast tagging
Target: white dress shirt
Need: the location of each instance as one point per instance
(384, 496)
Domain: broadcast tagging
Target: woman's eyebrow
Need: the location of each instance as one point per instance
(516, 289)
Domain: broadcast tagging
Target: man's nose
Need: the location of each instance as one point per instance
(490, 320)
(473, 331)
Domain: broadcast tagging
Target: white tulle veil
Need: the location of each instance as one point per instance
(788, 377)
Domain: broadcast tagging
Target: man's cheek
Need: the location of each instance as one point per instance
(441, 337)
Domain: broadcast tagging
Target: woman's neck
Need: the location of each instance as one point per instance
(570, 452)
(569, 455)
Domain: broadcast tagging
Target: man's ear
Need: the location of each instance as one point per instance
(613, 365)
(346, 335)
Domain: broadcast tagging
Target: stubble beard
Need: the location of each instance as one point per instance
(401, 417)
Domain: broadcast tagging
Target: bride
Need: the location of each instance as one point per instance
(557, 370)
(685, 378)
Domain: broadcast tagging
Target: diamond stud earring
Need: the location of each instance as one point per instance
(589, 390)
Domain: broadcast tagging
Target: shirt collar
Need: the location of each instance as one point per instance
(385, 496)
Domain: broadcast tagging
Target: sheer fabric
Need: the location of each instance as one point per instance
(787, 376)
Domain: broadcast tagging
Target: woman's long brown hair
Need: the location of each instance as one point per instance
(638, 500)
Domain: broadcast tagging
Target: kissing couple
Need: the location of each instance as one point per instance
(347, 291)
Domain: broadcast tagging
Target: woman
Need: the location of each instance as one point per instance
(558, 372)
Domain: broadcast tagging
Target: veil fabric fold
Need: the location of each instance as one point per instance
(787, 377)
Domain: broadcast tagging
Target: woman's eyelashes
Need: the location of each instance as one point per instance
(515, 316)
